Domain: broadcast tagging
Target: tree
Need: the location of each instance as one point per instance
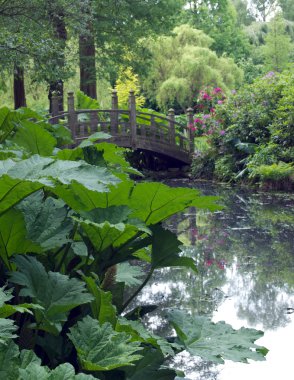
(263, 9)
(114, 31)
(33, 38)
(287, 9)
(182, 64)
(218, 19)
(278, 47)
(14, 42)
(244, 15)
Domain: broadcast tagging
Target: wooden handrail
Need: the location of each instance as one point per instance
(143, 130)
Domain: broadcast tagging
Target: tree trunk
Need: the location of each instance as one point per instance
(57, 19)
(87, 65)
(19, 87)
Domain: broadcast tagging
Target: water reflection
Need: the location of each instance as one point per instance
(245, 257)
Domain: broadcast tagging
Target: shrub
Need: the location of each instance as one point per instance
(259, 124)
(225, 168)
(275, 172)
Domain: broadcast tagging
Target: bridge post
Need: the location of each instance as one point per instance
(72, 116)
(55, 109)
(114, 113)
(171, 126)
(190, 123)
(133, 121)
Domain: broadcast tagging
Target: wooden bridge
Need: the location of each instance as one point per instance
(129, 127)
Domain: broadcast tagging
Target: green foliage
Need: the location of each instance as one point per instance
(25, 365)
(84, 102)
(216, 341)
(258, 124)
(218, 19)
(224, 168)
(275, 172)
(67, 218)
(278, 47)
(34, 139)
(183, 64)
(55, 292)
(101, 348)
(129, 274)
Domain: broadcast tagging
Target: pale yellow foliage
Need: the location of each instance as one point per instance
(126, 82)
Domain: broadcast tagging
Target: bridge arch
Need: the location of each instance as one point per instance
(130, 127)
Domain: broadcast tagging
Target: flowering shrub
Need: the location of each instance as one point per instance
(206, 121)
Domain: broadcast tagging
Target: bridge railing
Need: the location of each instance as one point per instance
(127, 126)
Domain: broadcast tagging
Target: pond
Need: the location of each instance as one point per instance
(245, 257)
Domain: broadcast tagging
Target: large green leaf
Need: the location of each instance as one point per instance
(25, 365)
(115, 157)
(34, 371)
(6, 310)
(90, 141)
(129, 274)
(55, 292)
(8, 121)
(61, 133)
(84, 102)
(13, 191)
(100, 348)
(154, 202)
(34, 139)
(81, 199)
(216, 341)
(111, 228)
(151, 202)
(139, 333)
(49, 172)
(102, 307)
(7, 330)
(9, 361)
(46, 220)
(166, 249)
(13, 236)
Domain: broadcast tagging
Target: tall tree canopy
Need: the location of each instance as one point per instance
(218, 19)
(278, 46)
(114, 32)
(287, 7)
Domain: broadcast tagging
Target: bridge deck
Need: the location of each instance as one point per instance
(131, 128)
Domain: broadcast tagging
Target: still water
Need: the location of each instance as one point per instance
(245, 257)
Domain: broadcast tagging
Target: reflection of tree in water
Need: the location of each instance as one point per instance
(195, 368)
(248, 247)
(265, 258)
(265, 305)
(260, 230)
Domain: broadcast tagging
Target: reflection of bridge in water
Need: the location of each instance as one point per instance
(130, 128)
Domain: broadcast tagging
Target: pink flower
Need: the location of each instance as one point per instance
(212, 110)
(222, 132)
(208, 262)
(217, 90)
(206, 116)
(205, 96)
(219, 102)
(197, 120)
